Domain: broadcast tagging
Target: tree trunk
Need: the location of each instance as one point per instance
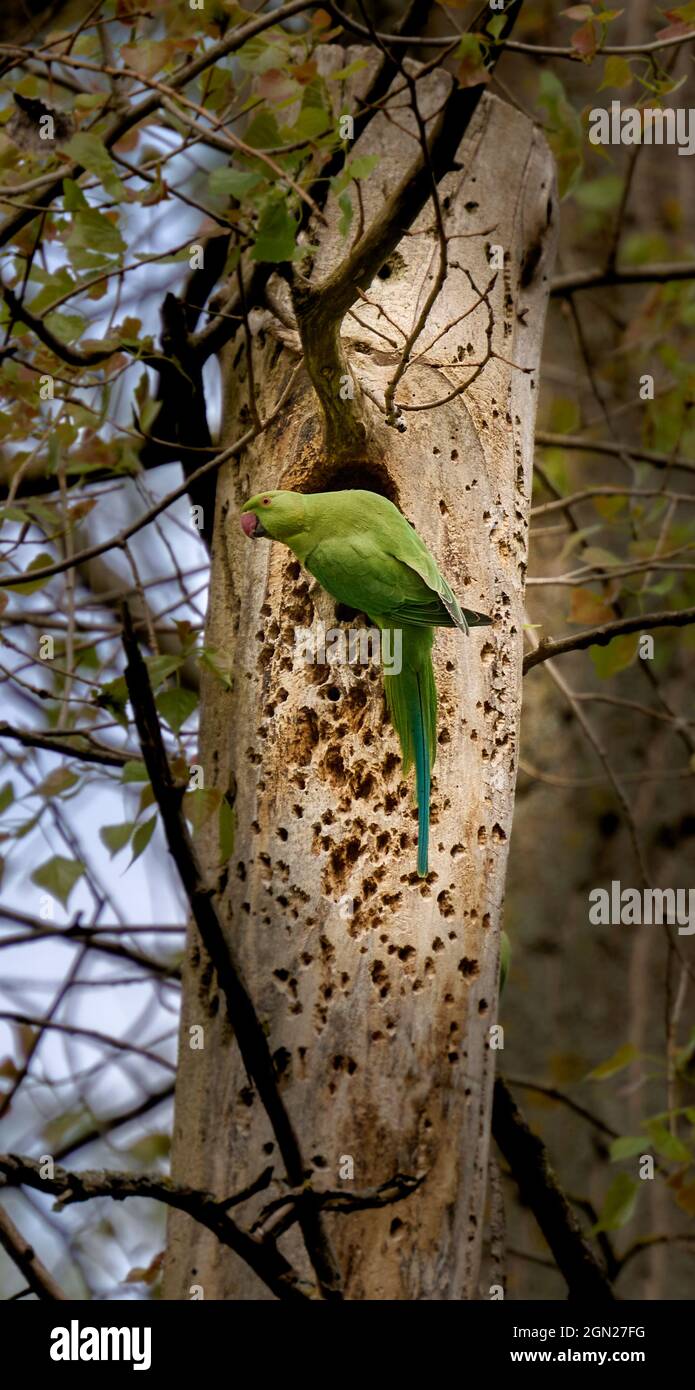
(378, 989)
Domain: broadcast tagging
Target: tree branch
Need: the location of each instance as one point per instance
(514, 45)
(248, 1030)
(264, 1258)
(547, 439)
(597, 278)
(602, 635)
(539, 1189)
(26, 1260)
(119, 540)
(180, 78)
(29, 739)
(92, 357)
(321, 308)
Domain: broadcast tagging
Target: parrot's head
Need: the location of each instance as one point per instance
(276, 515)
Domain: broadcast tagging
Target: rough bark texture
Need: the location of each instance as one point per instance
(378, 989)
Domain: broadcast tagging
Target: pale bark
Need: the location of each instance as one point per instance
(378, 989)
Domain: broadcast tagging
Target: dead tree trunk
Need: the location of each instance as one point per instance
(378, 990)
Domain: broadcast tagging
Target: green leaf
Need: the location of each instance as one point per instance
(200, 805)
(361, 167)
(667, 1144)
(276, 236)
(176, 706)
(345, 205)
(342, 73)
(602, 194)
(67, 328)
(159, 667)
(358, 168)
(311, 122)
(58, 876)
(260, 55)
(219, 665)
(263, 132)
(52, 287)
(565, 135)
(92, 231)
(496, 25)
(113, 696)
(627, 1146)
(233, 183)
(58, 781)
(151, 1147)
(597, 555)
(616, 656)
(116, 837)
(134, 771)
(6, 796)
(619, 1204)
(616, 73)
(39, 562)
(89, 151)
(142, 837)
(148, 56)
(73, 197)
(622, 1058)
(576, 538)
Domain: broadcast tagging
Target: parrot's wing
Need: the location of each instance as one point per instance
(357, 572)
(406, 546)
(388, 578)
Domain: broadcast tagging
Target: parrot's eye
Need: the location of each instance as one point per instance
(266, 501)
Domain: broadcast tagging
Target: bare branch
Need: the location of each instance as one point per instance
(263, 1257)
(602, 635)
(26, 1260)
(91, 754)
(539, 1188)
(660, 273)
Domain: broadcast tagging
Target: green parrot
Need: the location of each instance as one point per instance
(366, 555)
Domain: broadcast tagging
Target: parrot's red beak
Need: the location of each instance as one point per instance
(249, 523)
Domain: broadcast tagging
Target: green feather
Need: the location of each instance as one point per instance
(411, 697)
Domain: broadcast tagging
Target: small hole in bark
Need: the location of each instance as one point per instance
(468, 967)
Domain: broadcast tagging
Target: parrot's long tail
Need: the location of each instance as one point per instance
(411, 697)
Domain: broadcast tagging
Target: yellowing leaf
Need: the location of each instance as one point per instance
(149, 57)
(616, 73)
(615, 656)
(39, 562)
(588, 609)
(620, 1059)
(60, 780)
